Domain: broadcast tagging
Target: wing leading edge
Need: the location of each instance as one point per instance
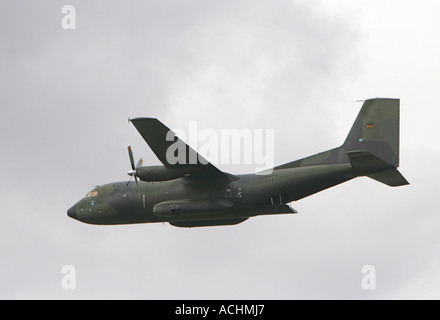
(174, 153)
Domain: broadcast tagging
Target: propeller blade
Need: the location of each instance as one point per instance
(140, 162)
(130, 154)
(132, 172)
(128, 181)
(137, 184)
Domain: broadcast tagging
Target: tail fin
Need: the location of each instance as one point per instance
(372, 146)
(376, 130)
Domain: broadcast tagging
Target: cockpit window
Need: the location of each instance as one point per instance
(92, 193)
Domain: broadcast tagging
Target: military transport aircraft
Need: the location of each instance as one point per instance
(199, 194)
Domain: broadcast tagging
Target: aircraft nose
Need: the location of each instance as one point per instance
(72, 212)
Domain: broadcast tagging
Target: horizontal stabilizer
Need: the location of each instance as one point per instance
(365, 163)
(392, 178)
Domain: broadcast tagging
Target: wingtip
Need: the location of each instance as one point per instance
(143, 119)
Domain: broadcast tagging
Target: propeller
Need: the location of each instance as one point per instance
(132, 172)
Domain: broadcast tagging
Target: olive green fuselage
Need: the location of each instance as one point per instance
(180, 201)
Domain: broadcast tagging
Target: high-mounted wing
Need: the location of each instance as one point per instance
(173, 152)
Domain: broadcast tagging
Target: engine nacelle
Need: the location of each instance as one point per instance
(160, 173)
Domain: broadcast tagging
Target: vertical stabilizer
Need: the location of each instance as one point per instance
(376, 130)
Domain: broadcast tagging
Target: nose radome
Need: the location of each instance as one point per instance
(72, 212)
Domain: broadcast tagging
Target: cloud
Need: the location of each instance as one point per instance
(292, 66)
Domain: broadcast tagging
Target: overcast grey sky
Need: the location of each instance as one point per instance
(297, 67)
